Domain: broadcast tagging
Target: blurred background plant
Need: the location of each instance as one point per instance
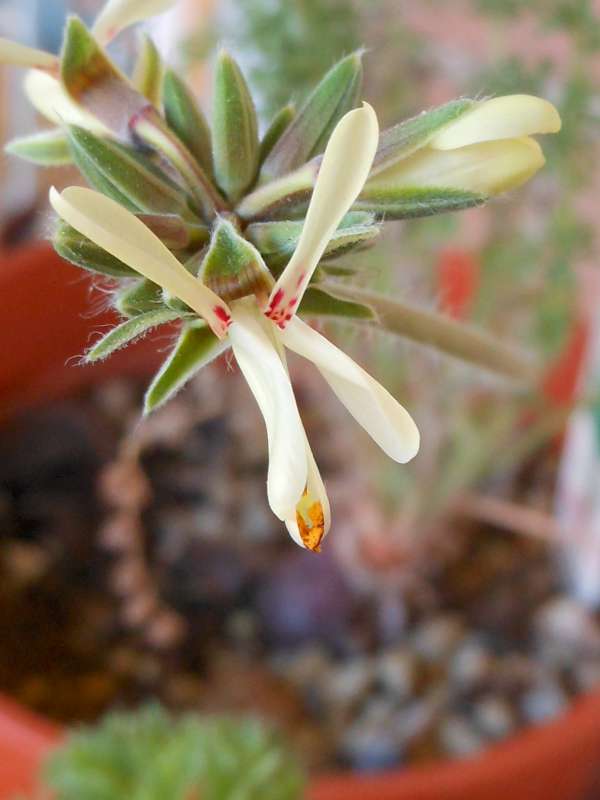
(150, 755)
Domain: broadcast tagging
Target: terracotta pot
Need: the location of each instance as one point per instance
(25, 740)
(44, 306)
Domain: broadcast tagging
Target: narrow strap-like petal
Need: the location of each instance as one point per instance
(373, 407)
(261, 365)
(508, 117)
(124, 236)
(22, 56)
(312, 520)
(343, 172)
(47, 95)
(120, 14)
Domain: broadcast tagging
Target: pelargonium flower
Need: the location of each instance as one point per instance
(231, 234)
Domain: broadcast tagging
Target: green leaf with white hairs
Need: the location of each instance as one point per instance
(409, 136)
(186, 119)
(280, 122)
(232, 266)
(93, 81)
(318, 303)
(120, 172)
(81, 251)
(128, 331)
(278, 240)
(235, 129)
(196, 347)
(137, 298)
(148, 71)
(47, 149)
(308, 134)
(410, 203)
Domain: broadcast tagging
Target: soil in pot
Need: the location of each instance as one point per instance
(156, 569)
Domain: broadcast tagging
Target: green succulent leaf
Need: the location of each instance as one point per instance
(316, 302)
(309, 132)
(120, 172)
(409, 136)
(232, 266)
(390, 202)
(47, 149)
(196, 347)
(176, 232)
(149, 128)
(137, 298)
(148, 71)
(186, 120)
(274, 132)
(235, 130)
(127, 331)
(81, 251)
(278, 240)
(95, 82)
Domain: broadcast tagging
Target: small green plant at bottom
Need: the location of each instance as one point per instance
(152, 755)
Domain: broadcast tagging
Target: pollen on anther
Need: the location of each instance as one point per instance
(312, 530)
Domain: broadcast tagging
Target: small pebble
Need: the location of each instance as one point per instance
(494, 716)
(543, 702)
(436, 638)
(369, 748)
(470, 664)
(396, 671)
(459, 737)
(349, 683)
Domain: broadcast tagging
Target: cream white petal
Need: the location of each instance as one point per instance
(373, 407)
(315, 493)
(47, 95)
(487, 168)
(508, 117)
(343, 172)
(124, 236)
(120, 14)
(22, 56)
(257, 356)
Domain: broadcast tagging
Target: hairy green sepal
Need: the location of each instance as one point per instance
(186, 120)
(389, 202)
(128, 331)
(235, 130)
(278, 240)
(196, 347)
(409, 136)
(120, 172)
(233, 267)
(148, 71)
(81, 251)
(95, 82)
(47, 149)
(309, 132)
